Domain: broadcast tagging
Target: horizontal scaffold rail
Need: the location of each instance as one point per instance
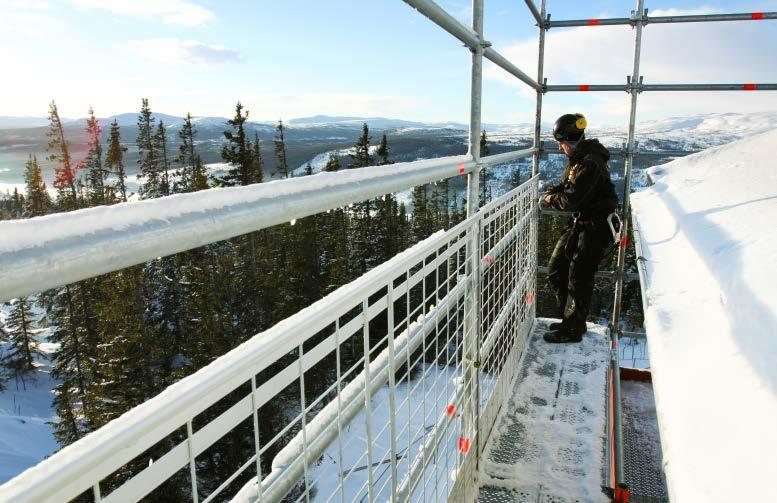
(659, 87)
(702, 18)
(468, 36)
(63, 245)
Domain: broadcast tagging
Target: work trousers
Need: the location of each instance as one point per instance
(572, 266)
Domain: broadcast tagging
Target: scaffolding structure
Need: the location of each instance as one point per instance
(67, 256)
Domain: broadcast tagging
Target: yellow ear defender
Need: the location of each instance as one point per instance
(581, 123)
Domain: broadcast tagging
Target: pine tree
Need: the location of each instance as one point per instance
(383, 151)
(19, 358)
(93, 163)
(114, 161)
(147, 155)
(72, 364)
(363, 251)
(199, 178)
(280, 150)
(515, 178)
(485, 189)
(333, 164)
(187, 157)
(386, 214)
(37, 201)
(238, 152)
(65, 171)
(422, 224)
(160, 147)
(258, 162)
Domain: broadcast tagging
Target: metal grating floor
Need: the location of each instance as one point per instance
(548, 442)
(641, 444)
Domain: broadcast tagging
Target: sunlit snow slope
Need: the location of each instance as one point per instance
(707, 233)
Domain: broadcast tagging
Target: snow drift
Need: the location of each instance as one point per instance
(710, 293)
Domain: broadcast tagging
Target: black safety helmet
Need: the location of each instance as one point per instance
(569, 128)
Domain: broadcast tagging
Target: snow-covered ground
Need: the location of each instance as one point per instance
(26, 438)
(711, 314)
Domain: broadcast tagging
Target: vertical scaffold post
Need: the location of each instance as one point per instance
(535, 167)
(472, 301)
(634, 88)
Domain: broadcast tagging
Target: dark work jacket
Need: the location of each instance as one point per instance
(586, 186)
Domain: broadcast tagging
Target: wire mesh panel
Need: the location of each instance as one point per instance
(508, 241)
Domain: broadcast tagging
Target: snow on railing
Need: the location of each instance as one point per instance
(387, 388)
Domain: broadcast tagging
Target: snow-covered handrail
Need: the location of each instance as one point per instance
(44, 252)
(431, 342)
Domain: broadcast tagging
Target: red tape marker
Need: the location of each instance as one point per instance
(757, 15)
(529, 298)
(451, 410)
(488, 260)
(624, 241)
(749, 87)
(593, 22)
(463, 445)
(461, 169)
(585, 87)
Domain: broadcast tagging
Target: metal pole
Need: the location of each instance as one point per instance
(749, 16)
(615, 325)
(472, 306)
(639, 87)
(535, 167)
(540, 17)
(587, 87)
(470, 37)
(708, 87)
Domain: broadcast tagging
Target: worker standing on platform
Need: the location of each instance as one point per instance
(587, 191)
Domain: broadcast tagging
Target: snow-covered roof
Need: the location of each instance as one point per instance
(706, 230)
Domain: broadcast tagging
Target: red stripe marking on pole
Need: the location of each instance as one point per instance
(593, 22)
(529, 298)
(464, 445)
(461, 169)
(451, 410)
(624, 241)
(757, 15)
(750, 87)
(585, 87)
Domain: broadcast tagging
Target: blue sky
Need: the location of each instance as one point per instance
(296, 58)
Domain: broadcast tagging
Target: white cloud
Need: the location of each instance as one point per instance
(168, 11)
(173, 50)
(689, 53)
(273, 106)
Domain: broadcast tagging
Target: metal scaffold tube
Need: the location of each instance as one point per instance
(469, 37)
(749, 16)
(708, 87)
(540, 77)
(472, 306)
(621, 262)
(540, 17)
(640, 87)
(586, 87)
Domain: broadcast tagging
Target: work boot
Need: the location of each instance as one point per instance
(563, 335)
(559, 324)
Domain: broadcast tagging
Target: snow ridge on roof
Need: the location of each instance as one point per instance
(707, 237)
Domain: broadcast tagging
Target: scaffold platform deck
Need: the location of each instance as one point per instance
(548, 444)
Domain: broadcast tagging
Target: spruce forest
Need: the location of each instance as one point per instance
(125, 336)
